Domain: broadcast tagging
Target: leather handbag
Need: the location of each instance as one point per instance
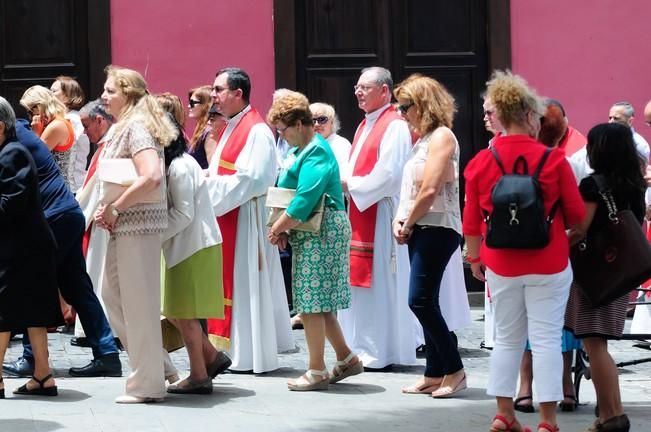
(172, 339)
(614, 260)
(116, 175)
(278, 199)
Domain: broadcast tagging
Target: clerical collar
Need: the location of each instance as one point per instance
(241, 113)
(372, 116)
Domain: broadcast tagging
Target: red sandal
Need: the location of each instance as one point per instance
(513, 426)
(548, 427)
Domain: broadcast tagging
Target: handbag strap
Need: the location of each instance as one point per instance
(606, 194)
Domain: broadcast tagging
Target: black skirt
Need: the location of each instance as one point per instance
(29, 295)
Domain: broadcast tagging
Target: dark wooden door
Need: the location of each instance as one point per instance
(41, 39)
(321, 46)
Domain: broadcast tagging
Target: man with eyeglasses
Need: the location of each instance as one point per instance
(623, 113)
(256, 324)
(379, 325)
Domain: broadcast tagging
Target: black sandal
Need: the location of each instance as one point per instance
(525, 408)
(41, 390)
(568, 406)
(2, 390)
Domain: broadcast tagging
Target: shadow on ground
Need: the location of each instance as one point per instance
(17, 424)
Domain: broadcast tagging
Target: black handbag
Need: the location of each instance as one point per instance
(614, 260)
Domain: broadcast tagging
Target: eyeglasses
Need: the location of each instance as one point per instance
(193, 102)
(405, 107)
(321, 120)
(282, 130)
(218, 89)
(364, 88)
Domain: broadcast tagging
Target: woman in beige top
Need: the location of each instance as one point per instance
(131, 288)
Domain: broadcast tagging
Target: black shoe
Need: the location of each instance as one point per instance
(105, 366)
(219, 365)
(80, 342)
(22, 367)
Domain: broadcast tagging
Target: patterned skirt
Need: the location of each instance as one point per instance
(320, 265)
(605, 321)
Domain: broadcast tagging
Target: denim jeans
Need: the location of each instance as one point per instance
(75, 285)
(430, 249)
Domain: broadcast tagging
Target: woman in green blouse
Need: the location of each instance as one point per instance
(320, 267)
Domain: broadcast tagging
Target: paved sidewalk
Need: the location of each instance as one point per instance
(369, 402)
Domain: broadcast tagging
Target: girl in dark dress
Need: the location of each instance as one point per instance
(28, 292)
(611, 154)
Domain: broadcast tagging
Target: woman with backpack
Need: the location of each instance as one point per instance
(519, 241)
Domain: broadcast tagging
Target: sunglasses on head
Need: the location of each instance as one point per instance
(193, 102)
(320, 120)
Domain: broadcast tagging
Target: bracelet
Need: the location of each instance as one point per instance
(473, 260)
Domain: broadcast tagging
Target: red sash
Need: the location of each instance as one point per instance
(363, 223)
(219, 330)
(91, 172)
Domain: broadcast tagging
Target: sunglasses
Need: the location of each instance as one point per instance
(321, 120)
(405, 107)
(193, 102)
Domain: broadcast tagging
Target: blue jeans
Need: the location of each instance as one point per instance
(430, 249)
(75, 284)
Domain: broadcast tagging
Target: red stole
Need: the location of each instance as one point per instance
(363, 222)
(92, 167)
(572, 142)
(219, 330)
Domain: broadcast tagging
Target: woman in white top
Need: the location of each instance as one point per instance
(326, 123)
(429, 221)
(192, 287)
(68, 91)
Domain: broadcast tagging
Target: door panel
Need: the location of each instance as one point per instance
(41, 39)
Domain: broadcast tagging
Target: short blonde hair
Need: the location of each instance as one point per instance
(513, 98)
(328, 111)
(434, 105)
(290, 108)
(140, 104)
(44, 99)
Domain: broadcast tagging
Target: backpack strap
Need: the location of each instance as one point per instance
(548, 150)
(498, 160)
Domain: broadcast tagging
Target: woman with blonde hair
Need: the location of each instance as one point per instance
(529, 286)
(70, 93)
(202, 144)
(172, 104)
(326, 123)
(48, 121)
(320, 266)
(429, 221)
(131, 288)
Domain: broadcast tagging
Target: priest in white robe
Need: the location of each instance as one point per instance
(379, 326)
(242, 168)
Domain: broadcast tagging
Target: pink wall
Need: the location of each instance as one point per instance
(178, 45)
(585, 53)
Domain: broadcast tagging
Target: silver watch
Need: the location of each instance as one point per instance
(114, 211)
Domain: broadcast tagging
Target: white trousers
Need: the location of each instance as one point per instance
(533, 306)
(131, 292)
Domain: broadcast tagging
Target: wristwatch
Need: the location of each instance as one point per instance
(114, 211)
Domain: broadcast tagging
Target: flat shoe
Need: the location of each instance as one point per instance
(447, 391)
(568, 406)
(41, 390)
(129, 399)
(525, 408)
(189, 386)
(219, 365)
(344, 369)
(309, 381)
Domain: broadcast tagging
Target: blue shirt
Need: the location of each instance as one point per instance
(56, 197)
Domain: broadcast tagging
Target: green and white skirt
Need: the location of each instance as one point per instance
(320, 265)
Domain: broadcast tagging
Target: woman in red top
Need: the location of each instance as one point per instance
(529, 287)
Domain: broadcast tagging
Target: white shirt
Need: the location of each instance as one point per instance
(341, 148)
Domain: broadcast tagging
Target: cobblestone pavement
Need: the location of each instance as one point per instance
(369, 402)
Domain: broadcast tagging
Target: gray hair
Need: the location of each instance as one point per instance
(382, 75)
(96, 108)
(329, 112)
(629, 111)
(8, 117)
